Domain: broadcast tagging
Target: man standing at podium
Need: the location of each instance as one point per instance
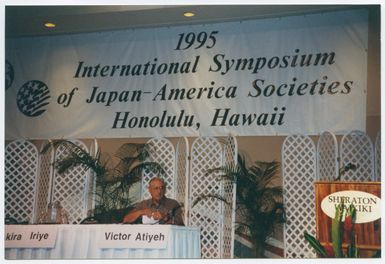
(158, 209)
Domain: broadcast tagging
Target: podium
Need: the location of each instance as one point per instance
(366, 197)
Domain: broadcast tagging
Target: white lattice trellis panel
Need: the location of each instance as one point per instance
(206, 153)
(230, 154)
(91, 180)
(299, 173)
(21, 168)
(182, 152)
(70, 188)
(377, 152)
(327, 157)
(44, 182)
(161, 151)
(356, 148)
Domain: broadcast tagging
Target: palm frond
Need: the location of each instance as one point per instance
(258, 200)
(207, 196)
(228, 172)
(112, 185)
(76, 156)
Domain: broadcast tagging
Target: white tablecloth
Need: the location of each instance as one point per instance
(80, 242)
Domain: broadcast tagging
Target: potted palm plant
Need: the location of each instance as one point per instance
(259, 206)
(112, 192)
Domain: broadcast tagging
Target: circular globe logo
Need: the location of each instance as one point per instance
(32, 97)
(9, 74)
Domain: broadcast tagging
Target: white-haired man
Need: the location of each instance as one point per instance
(159, 208)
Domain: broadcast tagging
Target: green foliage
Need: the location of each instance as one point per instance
(315, 244)
(258, 201)
(113, 184)
(338, 229)
(76, 156)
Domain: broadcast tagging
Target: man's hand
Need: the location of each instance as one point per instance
(132, 216)
(157, 215)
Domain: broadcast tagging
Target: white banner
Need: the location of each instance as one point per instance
(298, 74)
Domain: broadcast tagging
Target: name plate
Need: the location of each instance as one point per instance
(133, 236)
(30, 236)
(368, 206)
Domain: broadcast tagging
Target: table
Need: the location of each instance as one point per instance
(80, 242)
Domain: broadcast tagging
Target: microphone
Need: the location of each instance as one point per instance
(346, 168)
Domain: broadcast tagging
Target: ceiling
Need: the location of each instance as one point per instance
(23, 21)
